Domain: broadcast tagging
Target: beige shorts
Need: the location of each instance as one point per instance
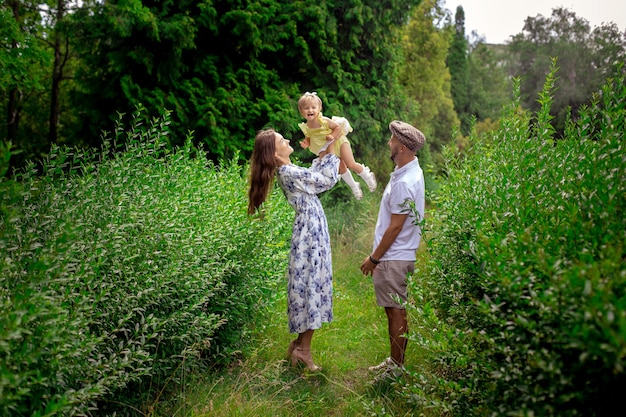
(390, 282)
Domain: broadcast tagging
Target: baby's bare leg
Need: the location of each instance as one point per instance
(348, 158)
(361, 170)
(342, 167)
(346, 175)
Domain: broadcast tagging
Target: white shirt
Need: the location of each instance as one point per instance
(406, 185)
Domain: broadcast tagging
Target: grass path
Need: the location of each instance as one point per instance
(264, 383)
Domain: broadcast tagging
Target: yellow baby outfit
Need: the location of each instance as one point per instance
(318, 135)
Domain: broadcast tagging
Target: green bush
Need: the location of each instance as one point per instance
(523, 302)
(124, 268)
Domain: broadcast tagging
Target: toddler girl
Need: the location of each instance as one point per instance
(321, 132)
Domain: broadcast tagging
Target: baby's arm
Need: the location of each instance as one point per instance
(336, 130)
(305, 143)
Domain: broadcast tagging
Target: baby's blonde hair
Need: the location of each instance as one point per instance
(307, 98)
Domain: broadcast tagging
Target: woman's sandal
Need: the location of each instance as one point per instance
(304, 356)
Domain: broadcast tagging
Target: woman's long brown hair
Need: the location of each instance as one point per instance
(262, 168)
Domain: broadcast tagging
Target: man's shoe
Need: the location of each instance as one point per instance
(392, 373)
(387, 363)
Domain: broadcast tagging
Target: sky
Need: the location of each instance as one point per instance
(497, 20)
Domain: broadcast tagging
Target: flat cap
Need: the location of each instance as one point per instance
(407, 135)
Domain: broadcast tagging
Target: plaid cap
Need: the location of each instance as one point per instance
(407, 135)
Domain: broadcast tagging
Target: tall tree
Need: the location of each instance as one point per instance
(60, 45)
(24, 60)
(34, 57)
(425, 76)
(459, 71)
(584, 58)
(227, 68)
(10, 37)
(490, 87)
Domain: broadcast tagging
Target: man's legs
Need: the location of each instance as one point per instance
(390, 284)
(398, 326)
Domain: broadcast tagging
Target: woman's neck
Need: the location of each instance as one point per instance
(282, 161)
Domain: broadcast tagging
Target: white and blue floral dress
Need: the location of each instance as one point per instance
(310, 286)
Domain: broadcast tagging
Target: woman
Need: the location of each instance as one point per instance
(309, 291)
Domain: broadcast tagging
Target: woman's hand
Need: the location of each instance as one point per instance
(329, 148)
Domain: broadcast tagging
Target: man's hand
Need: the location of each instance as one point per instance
(367, 266)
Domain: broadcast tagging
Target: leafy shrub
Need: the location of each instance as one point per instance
(523, 302)
(120, 269)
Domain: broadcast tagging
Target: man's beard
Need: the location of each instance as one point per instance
(393, 155)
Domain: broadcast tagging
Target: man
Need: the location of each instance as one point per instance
(396, 239)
